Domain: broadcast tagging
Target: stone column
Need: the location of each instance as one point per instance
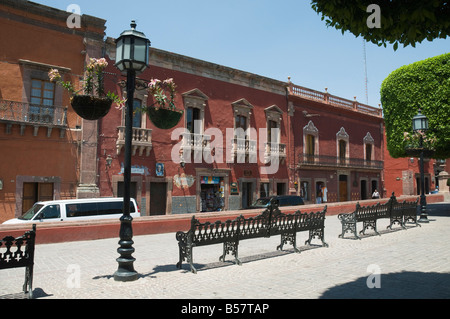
(88, 182)
(442, 182)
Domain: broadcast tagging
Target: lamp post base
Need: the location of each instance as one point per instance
(423, 219)
(423, 208)
(125, 275)
(126, 271)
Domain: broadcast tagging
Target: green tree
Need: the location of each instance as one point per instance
(423, 85)
(404, 22)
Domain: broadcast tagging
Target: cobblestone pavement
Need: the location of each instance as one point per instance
(411, 263)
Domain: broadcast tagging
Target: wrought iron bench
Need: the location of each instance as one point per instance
(229, 233)
(19, 252)
(398, 213)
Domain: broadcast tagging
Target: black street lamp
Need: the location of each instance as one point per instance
(131, 59)
(420, 123)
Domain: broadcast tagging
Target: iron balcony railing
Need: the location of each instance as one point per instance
(36, 114)
(306, 160)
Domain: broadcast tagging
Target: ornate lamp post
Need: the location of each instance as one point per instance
(131, 59)
(420, 123)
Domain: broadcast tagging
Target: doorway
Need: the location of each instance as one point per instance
(158, 198)
(375, 187)
(133, 189)
(343, 193)
(363, 189)
(35, 192)
(281, 189)
(247, 194)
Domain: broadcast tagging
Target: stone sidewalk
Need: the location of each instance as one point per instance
(411, 263)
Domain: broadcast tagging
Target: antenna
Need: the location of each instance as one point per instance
(365, 70)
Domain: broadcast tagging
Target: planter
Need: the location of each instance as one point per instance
(164, 118)
(90, 107)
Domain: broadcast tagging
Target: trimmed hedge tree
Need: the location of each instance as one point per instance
(423, 85)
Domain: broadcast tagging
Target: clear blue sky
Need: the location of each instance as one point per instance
(275, 39)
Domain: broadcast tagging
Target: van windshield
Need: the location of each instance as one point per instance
(31, 212)
(261, 202)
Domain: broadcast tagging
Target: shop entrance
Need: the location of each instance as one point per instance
(212, 194)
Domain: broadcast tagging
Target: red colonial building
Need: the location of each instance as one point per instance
(44, 145)
(216, 101)
(300, 141)
(336, 146)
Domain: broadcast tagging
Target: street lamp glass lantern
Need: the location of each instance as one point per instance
(420, 122)
(132, 50)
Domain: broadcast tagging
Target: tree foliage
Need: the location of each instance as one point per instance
(404, 22)
(423, 85)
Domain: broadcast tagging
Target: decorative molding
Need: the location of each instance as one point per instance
(342, 135)
(310, 128)
(368, 139)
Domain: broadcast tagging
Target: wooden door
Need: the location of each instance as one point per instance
(158, 198)
(35, 192)
(343, 195)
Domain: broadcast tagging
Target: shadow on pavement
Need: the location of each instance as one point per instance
(403, 285)
(37, 293)
(439, 209)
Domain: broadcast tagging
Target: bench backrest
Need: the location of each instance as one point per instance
(18, 252)
(270, 222)
(364, 213)
(391, 209)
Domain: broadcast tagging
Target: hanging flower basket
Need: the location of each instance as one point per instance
(164, 118)
(91, 107)
(163, 112)
(94, 103)
(415, 152)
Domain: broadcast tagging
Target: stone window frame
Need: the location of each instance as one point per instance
(195, 99)
(342, 135)
(368, 140)
(311, 129)
(244, 108)
(39, 71)
(274, 113)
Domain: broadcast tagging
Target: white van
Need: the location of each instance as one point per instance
(76, 209)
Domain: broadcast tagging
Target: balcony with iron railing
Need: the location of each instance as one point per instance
(141, 140)
(317, 161)
(327, 98)
(23, 114)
